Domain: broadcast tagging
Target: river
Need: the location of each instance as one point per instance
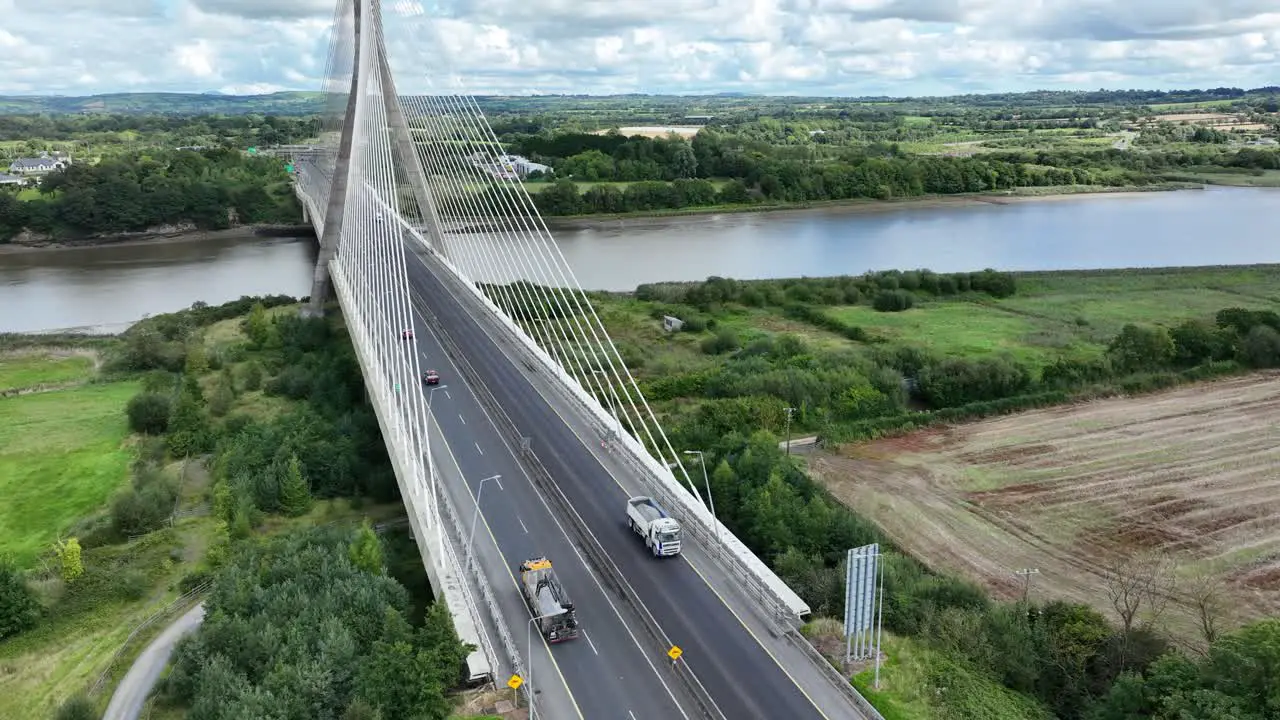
(106, 286)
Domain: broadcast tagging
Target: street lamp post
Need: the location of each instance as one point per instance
(789, 411)
(475, 516)
(529, 680)
(431, 394)
(702, 460)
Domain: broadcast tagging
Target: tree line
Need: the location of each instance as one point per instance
(211, 189)
(99, 133)
(674, 173)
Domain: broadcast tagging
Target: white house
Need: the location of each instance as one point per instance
(508, 167)
(11, 180)
(40, 165)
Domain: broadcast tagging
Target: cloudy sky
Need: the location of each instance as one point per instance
(837, 47)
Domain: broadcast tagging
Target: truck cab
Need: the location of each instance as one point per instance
(660, 531)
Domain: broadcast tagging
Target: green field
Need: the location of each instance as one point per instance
(970, 329)
(20, 371)
(61, 457)
(1071, 314)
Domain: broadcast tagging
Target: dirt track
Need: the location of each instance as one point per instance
(1193, 474)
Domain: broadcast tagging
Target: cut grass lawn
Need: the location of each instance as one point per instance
(62, 456)
(20, 371)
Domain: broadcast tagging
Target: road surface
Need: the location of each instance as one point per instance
(133, 691)
(739, 673)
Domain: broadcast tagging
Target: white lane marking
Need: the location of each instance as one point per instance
(555, 518)
(633, 715)
(522, 526)
(515, 584)
(516, 360)
(499, 481)
(593, 645)
(446, 394)
(464, 420)
(478, 448)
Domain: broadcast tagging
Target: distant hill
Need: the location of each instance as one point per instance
(281, 103)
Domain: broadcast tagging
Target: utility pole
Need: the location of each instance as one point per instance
(789, 411)
(1026, 574)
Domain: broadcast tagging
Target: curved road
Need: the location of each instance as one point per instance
(133, 691)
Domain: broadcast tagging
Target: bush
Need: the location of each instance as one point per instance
(1261, 347)
(148, 413)
(720, 343)
(77, 707)
(19, 610)
(893, 301)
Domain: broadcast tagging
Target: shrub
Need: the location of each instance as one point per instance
(19, 610)
(77, 707)
(720, 343)
(1261, 347)
(893, 301)
(149, 413)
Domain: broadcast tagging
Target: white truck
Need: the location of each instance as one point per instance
(647, 519)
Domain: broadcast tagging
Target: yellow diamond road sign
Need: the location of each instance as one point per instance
(515, 682)
(675, 652)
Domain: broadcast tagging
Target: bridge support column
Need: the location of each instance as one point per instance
(404, 147)
(320, 283)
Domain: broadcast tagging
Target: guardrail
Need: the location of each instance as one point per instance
(504, 633)
(695, 523)
(538, 473)
(182, 601)
(681, 504)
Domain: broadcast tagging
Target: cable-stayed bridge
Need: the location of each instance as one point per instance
(537, 433)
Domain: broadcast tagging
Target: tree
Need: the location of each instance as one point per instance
(366, 550)
(1205, 595)
(257, 327)
(69, 556)
(1139, 582)
(19, 610)
(148, 413)
(1261, 347)
(1138, 349)
(295, 495)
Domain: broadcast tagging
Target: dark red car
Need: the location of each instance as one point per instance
(431, 377)
(406, 334)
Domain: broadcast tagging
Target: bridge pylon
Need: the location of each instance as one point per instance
(404, 155)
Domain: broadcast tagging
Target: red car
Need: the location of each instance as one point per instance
(431, 377)
(406, 334)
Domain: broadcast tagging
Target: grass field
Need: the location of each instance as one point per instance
(1189, 474)
(61, 457)
(20, 371)
(1054, 314)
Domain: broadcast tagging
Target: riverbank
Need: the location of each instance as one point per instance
(869, 206)
(166, 236)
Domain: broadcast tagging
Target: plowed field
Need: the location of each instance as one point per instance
(1193, 474)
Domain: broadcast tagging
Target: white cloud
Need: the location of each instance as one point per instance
(857, 47)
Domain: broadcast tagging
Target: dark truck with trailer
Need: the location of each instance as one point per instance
(547, 600)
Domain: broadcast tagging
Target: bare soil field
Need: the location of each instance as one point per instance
(1192, 475)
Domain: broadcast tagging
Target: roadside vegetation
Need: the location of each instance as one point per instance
(867, 356)
(233, 431)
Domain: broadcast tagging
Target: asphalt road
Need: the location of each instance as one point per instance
(607, 673)
(739, 673)
(132, 692)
